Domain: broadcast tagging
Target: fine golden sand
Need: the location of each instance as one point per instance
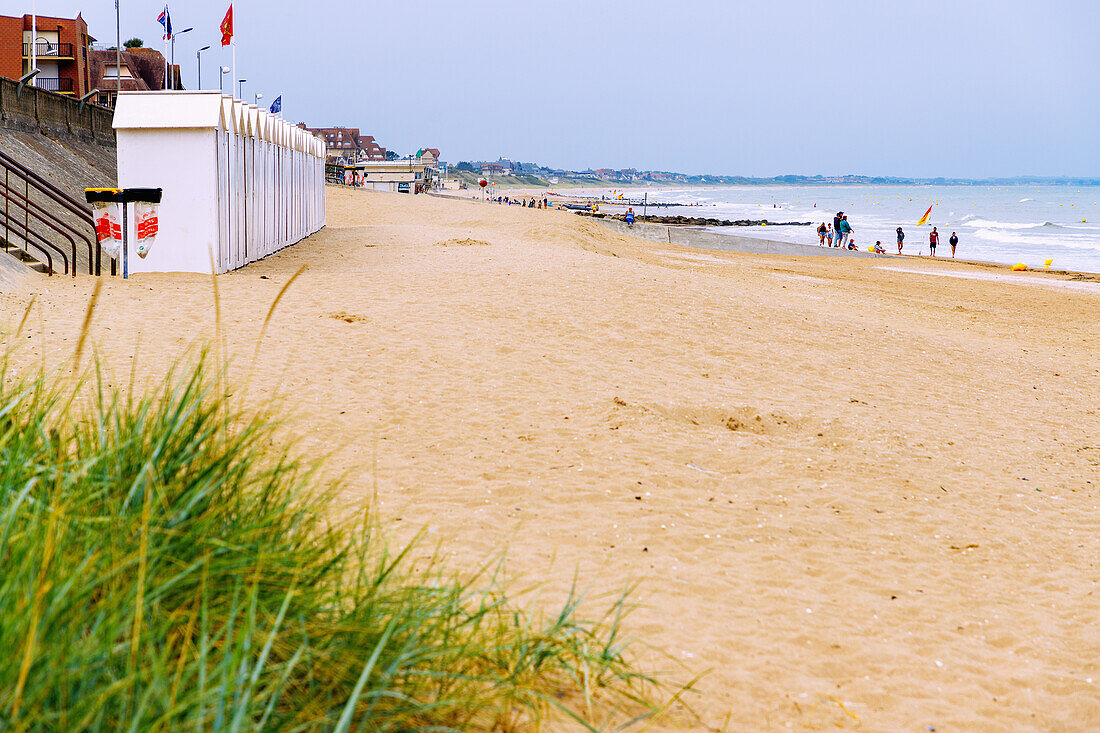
(855, 492)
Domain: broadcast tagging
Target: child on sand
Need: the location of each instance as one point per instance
(933, 240)
(879, 249)
(901, 239)
(829, 235)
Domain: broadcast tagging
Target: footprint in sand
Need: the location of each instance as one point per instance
(348, 317)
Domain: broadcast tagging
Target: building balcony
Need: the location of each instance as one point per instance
(45, 49)
(65, 86)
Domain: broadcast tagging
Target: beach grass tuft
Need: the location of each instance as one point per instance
(169, 564)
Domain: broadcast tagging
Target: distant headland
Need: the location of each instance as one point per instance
(509, 172)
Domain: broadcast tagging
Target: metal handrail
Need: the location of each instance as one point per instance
(54, 84)
(9, 221)
(55, 194)
(43, 216)
(46, 48)
(72, 204)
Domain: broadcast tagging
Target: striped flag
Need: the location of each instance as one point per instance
(166, 20)
(924, 219)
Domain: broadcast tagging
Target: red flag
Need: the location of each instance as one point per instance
(227, 26)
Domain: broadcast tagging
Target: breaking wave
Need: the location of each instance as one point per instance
(985, 224)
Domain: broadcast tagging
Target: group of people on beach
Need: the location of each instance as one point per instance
(527, 202)
(839, 234)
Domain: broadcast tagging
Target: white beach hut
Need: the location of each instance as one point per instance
(166, 141)
(238, 183)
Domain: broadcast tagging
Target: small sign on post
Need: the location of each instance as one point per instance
(110, 205)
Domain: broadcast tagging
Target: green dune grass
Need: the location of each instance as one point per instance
(164, 567)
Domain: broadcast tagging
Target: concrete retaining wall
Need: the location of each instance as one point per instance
(700, 239)
(53, 114)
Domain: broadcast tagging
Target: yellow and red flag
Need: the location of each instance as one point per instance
(927, 215)
(227, 26)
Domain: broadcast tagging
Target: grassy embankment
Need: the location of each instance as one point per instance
(166, 568)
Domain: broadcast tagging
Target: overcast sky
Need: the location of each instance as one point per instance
(766, 87)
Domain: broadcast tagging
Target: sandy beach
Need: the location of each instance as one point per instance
(856, 493)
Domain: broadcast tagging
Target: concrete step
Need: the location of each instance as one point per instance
(20, 255)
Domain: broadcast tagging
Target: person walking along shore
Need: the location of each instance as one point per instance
(845, 230)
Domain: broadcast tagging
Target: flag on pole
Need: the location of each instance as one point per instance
(166, 21)
(227, 26)
(277, 105)
(924, 219)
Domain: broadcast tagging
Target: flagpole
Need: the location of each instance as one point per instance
(167, 35)
(235, 77)
(118, 56)
(34, 34)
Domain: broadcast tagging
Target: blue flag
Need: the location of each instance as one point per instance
(166, 20)
(277, 105)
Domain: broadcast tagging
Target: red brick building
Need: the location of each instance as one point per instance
(62, 46)
(142, 70)
(348, 142)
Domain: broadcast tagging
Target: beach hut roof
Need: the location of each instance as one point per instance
(228, 121)
(136, 110)
(240, 116)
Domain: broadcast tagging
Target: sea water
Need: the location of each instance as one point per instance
(1006, 224)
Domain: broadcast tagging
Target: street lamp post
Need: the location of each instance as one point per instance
(175, 72)
(198, 58)
(240, 88)
(258, 98)
(221, 79)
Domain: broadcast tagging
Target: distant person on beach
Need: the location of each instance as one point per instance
(845, 230)
(630, 216)
(829, 235)
(879, 249)
(954, 242)
(821, 230)
(901, 239)
(851, 244)
(836, 227)
(933, 240)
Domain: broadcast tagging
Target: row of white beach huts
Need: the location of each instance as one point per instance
(238, 182)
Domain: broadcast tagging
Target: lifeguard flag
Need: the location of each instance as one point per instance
(927, 215)
(227, 26)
